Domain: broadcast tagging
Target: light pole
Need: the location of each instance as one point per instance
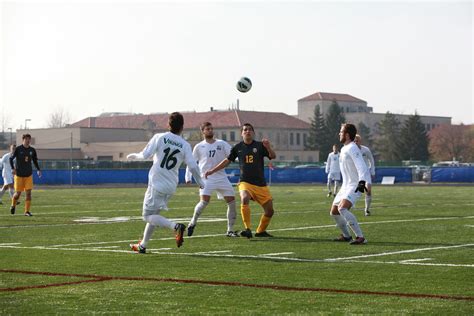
(11, 135)
(27, 120)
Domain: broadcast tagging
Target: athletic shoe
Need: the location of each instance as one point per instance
(343, 238)
(179, 229)
(28, 214)
(17, 202)
(263, 234)
(138, 248)
(367, 213)
(246, 233)
(329, 194)
(358, 241)
(232, 234)
(12, 210)
(191, 230)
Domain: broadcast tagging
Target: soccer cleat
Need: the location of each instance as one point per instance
(12, 210)
(28, 214)
(358, 241)
(329, 194)
(232, 234)
(263, 234)
(246, 233)
(137, 247)
(17, 202)
(343, 238)
(179, 228)
(367, 213)
(191, 230)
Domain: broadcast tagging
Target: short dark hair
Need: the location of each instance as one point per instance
(204, 125)
(176, 122)
(246, 125)
(351, 130)
(26, 136)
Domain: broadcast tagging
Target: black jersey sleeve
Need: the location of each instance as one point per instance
(233, 153)
(34, 158)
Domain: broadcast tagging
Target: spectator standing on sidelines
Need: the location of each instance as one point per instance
(7, 173)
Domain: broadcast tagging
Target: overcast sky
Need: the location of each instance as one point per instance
(152, 56)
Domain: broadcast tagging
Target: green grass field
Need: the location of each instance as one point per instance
(72, 256)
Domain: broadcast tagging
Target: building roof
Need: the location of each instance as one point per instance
(331, 96)
(193, 120)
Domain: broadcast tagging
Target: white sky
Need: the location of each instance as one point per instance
(155, 56)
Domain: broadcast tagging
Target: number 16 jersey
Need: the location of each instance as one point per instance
(169, 151)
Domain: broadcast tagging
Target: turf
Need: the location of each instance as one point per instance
(72, 256)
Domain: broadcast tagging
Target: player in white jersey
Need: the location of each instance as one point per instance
(369, 161)
(169, 151)
(355, 176)
(332, 169)
(209, 153)
(7, 173)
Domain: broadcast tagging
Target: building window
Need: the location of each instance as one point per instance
(296, 158)
(291, 139)
(298, 141)
(260, 135)
(281, 158)
(433, 125)
(305, 139)
(232, 136)
(224, 136)
(120, 155)
(278, 138)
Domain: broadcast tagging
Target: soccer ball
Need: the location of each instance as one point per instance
(244, 84)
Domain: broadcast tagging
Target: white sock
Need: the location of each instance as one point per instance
(342, 224)
(335, 187)
(351, 221)
(231, 215)
(12, 192)
(2, 192)
(158, 220)
(329, 186)
(197, 211)
(368, 201)
(149, 229)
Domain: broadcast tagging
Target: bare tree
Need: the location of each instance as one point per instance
(59, 118)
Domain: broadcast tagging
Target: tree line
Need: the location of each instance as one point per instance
(396, 141)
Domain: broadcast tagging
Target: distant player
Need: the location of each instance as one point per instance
(369, 161)
(169, 151)
(7, 173)
(209, 153)
(333, 170)
(355, 176)
(23, 172)
(252, 186)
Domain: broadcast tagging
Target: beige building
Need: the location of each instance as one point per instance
(112, 137)
(356, 111)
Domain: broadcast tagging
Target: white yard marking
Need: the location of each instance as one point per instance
(415, 260)
(211, 252)
(277, 254)
(398, 252)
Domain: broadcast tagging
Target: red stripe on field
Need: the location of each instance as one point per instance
(22, 288)
(99, 278)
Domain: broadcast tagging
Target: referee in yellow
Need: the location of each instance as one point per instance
(252, 185)
(23, 172)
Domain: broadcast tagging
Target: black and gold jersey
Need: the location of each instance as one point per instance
(24, 156)
(251, 162)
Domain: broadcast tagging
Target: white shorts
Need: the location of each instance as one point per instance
(223, 187)
(334, 176)
(8, 179)
(154, 202)
(347, 193)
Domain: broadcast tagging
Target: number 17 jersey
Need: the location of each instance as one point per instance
(169, 151)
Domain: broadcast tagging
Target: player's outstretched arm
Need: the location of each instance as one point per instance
(268, 146)
(224, 163)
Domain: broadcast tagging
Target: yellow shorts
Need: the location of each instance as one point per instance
(261, 195)
(23, 183)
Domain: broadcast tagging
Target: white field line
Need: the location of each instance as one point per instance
(277, 254)
(210, 252)
(398, 252)
(415, 260)
(220, 255)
